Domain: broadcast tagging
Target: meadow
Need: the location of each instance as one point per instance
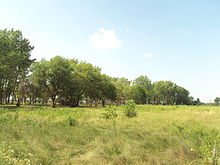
(168, 135)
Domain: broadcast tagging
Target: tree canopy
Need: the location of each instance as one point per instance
(15, 60)
(72, 82)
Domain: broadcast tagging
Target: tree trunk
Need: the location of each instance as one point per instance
(30, 101)
(96, 103)
(77, 103)
(103, 103)
(8, 101)
(53, 104)
(18, 103)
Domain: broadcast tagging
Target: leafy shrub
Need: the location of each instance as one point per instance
(130, 109)
(71, 121)
(110, 114)
(115, 150)
(8, 118)
(204, 139)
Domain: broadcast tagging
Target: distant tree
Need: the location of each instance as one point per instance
(138, 94)
(141, 91)
(195, 102)
(72, 92)
(95, 86)
(52, 76)
(145, 83)
(182, 96)
(198, 102)
(217, 101)
(123, 88)
(36, 94)
(107, 89)
(15, 53)
(90, 79)
(164, 92)
(23, 90)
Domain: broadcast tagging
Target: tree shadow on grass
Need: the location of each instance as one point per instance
(14, 108)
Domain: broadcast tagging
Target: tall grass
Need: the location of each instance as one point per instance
(158, 135)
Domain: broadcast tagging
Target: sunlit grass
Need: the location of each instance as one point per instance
(158, 135)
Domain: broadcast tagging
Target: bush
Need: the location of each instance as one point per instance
(110, 114)
(204, 139)
(130, 109)
(71, 121)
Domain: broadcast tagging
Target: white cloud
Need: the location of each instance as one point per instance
(105, 39)
(147, 55)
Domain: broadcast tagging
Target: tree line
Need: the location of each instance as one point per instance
(72, 82)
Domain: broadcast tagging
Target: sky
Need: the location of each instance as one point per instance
(176, 40)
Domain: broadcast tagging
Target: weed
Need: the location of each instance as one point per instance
(204, 139)
(130, 109)
(115, 150)
(110, 114)
(71, 121)
(158, 135)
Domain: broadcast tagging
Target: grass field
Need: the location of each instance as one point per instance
(169, 135)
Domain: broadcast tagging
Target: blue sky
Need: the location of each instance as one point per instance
(163, 39)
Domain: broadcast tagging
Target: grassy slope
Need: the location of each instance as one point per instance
(159, 135)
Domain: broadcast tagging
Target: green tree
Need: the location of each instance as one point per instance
(138, 94)
(72, 92)
(15, 53)
(164, 92)
(182, 96)
(130, 109)
(141, 91)
(123, 87)
(90, 79)
(167, 92)
(217, 101)
(108, 90)
(111, 114)
(52, 76)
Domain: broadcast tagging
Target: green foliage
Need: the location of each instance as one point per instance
(130, 109)
(204, 139)
(71, 121)
(162, 134)
(15, 53)
(115, 150)
(110, 114)
(11, 156)
(138, 95)
(72, 91)
(141, 91)
(69, 82)
(8, 118)
(217, 101)
(168, 93)
(52, 76)
(123, 88)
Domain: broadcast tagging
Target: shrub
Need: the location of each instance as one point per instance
(115, 150)
(71, 121)
(110, 114)
(203, 138)
(130, 109)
